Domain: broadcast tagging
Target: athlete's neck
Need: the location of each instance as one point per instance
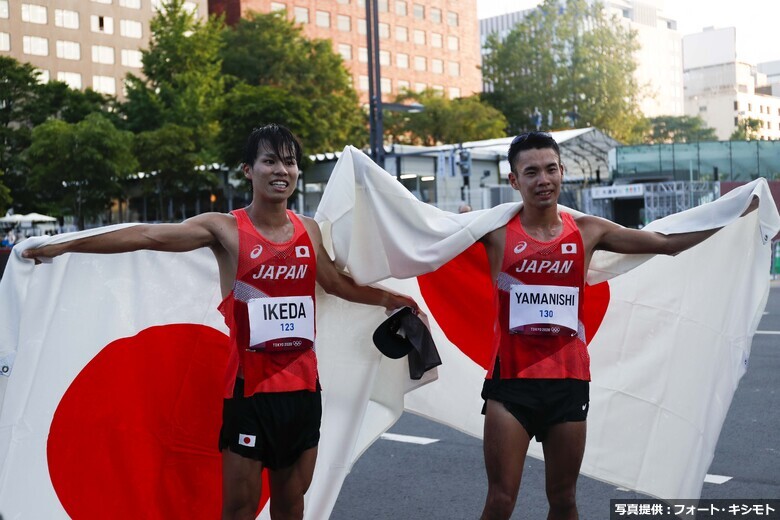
(268, 217)
(541, 223)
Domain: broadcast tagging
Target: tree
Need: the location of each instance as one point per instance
(444, 120)
(249, 106)
(77, 168)
(24, 104)
(269, 50)
(569, 64)
(747, 130)
(678, 129)
(168, 158)
(182, 82)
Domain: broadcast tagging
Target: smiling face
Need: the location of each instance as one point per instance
(537, 174)
(273, 176)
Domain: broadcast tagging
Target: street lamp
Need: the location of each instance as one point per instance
(375, 123)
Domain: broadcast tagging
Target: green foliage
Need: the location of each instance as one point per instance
(77, 169)
(168, 157)
(444, 120)
(747, 130)
(26, 103)
(183, 82)
(678, 129)
(267, 50)
(571, 61)
(248, 106)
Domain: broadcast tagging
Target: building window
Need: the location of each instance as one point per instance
(401, 60)
(72, 79)
(420, 63)
(736, 121)
(419, 11)
(383, 8)
(401, 33)
(419, 87)
(436, 40)
(322, 19)
(3, 8)
(452, 43)
(438, 88)
(344, 23)
(384, 58)
(452, 19)
(384, 30)
(736, 105)
(5, 41)
(386, 85)
(434, 15)
(400, 8)
(276, 6)
(301, 15)
(102, 1)
(419, 37)
(32, 13)
(66, 19)
(769, 125)
(130, 28)
(43, 75)
(35, 46)
(132, 58)
(363, 82)
(362, 55)
(343, 2)
(346, 51)
(402, 85)
(454, 68)
(102, 54)
(437, 66)
(190, 7)
(361, 26)
(130, 4)
(750, 107)
(102, 24)
(104, 84)
(68, 50)
(454, 92)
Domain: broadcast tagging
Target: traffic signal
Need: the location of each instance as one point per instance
(464, 162)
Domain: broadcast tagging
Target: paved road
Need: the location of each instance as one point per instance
(445, 480)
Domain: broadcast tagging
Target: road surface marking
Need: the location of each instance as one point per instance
(716, 479)
(407, 438)
(771, 332)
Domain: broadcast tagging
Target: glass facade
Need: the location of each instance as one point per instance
(707, 161)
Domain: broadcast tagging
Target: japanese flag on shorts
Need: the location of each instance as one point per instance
(111, 366)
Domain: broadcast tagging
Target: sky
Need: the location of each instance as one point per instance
(755, 20)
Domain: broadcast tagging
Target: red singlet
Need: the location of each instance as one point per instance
(270, 270)
(530, 262)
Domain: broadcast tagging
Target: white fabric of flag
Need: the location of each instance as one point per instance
(87, 331)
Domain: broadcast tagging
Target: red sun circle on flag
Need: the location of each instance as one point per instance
(136, 433)
(461, 299)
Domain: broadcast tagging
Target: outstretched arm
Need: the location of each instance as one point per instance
(199, 231)
(337, 283)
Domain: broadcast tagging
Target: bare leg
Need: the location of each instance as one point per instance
(505, 446)
(563, 451)
(240, 486)
(288, 485)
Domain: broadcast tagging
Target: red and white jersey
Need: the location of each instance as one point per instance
(271, 311)
(539, 330)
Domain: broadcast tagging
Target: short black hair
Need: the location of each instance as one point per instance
(277, 138)
(529, 141)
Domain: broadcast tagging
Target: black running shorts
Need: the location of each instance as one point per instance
(539, 404)
(273, 428)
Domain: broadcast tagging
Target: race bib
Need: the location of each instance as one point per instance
(543, 310)
(281, 324)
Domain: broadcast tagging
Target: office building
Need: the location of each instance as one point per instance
(423, 43)
(726, 91)
(84, 43)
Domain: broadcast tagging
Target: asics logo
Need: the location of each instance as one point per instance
(256, 252)
(519, 248)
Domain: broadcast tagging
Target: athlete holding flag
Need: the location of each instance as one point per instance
(539, 382)
(268, 259)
